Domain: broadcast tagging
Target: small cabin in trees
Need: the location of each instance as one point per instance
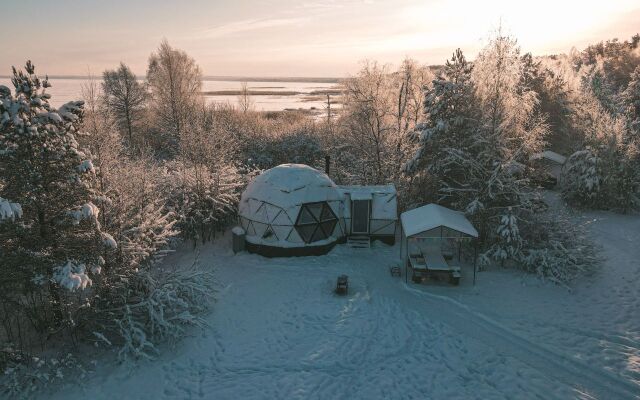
(551, 162)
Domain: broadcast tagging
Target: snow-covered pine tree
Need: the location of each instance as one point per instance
(57, 243)
(581, 181)
(631, 101)
(604, 174)
(468, 161)
(446, 138)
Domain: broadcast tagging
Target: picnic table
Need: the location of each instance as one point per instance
(436, 264)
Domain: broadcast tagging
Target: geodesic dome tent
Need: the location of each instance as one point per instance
(291, 209)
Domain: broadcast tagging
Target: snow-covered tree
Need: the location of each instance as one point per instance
(504, 88)
(604, 173)
(581, 181)
(57, 243)
(368, 121)
(469, 161)
(204, 199)
(631, 101)
(410, 81)
(245, 102)
(132, 203)
(479, 128)
(125, 97)
(203, 184)
(175, 82)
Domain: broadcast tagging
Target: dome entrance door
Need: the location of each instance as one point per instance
(360, 210)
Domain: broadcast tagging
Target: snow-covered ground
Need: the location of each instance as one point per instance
(277, 331)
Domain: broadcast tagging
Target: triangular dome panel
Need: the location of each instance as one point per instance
(281, 231)
(282, 219)
(254, 205)
(272, 212)
(260, 228)
(294, 237)
(250, 230)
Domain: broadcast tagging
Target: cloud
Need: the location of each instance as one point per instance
(248, 25)
(332, 4)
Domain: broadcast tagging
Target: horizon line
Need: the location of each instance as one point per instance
(231, 78)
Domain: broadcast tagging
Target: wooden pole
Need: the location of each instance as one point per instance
(475, 259)
(329, 111)
(406, 265)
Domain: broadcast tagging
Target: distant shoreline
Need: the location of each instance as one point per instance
(333, 92)
(304, 79)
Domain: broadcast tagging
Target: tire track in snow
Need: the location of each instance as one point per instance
(601, 383)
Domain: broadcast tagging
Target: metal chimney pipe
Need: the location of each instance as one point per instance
(327, 163)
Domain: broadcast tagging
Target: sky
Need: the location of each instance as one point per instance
(318, 38)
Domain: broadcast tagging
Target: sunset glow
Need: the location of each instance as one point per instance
(292, 38)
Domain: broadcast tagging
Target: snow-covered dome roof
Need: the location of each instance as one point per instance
(289, 185)
(272, 203)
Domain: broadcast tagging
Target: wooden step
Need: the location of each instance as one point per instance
(359, 242)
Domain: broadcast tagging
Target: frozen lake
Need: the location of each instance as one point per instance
(279, 95)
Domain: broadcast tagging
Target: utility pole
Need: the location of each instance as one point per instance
(329, 111)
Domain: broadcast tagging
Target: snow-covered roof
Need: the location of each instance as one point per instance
(384, 203)
(290, 185)
(359, 190)
(551, 156)
(9, 210)
(432, 216)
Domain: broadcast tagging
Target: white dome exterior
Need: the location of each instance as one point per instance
(270, 207)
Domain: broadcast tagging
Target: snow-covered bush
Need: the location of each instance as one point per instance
(132, 203)
(558, 249)
(204, 200)
(604, 174)
(9, 211)
(631, 101)
(25, 375)
(202, 185)
(508, 242)
(580, 180)
(154, 306)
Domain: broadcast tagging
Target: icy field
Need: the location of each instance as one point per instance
(278, 332)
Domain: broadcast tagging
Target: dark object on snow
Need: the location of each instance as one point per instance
(239, 242)
(395, 270)
(342, 286)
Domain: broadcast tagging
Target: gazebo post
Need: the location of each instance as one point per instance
(401, 242)
(406, 264)
(475, 259)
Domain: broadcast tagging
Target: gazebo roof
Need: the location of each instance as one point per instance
(431, 216)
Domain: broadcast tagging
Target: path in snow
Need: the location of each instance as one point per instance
(278, 331)
(301, 341)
